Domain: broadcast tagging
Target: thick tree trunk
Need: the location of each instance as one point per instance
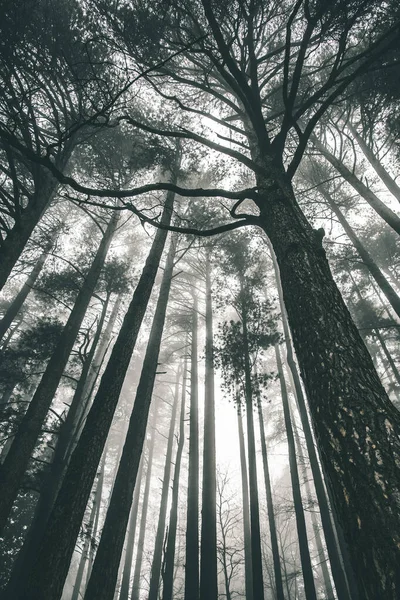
(256, 556)
(192, 516)
(130, 537)
(248, 571)
(357, 427)
(136, 584)
(330, 539)
(270, 508)
(380, 207)
(46, 580)
(159, 541)
(16, 461)
(169, 563)
(295, 480)
(208, 549)
(375, 163)
(22, 295)
(105, 569)
(367, 259)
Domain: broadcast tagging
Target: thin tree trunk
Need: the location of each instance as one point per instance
(367, 259)
(208, 551)
(270, 507)
(375, 163)
(136, 585)
(256, 556)
(318, 541)
(47, 577)
(248, 571)
(192, 581)
(169, 563)
(160, 533)
(16, 461)
(93, 376)
(105, 569)
(98, 497)
(130, 542)
(22, 295)
(294, 475)
(380, 207)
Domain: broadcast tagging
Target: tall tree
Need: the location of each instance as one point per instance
(64, 522)
(14, 465)
(160, 533)
(192, 580)
(208, 539)
(169, 562)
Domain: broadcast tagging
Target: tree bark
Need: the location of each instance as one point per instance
(130, 541)
(169, 564)
(159, 541)
(192, 582)
(270, 508)
(208, 547)
(16, 461)
(105, 569)
(248, 570)
(294, 476)
(46, 580)
(352, 414)
(136, 584)
(330, 539)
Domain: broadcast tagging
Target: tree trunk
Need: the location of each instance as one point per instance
(16, 461)
(130, 541)
(367, 259)
(372, 199)
(375, 163)
(256, 556)
(45, 189)
(46, 580)
(270, 507)
(53, 478)
(169, 563)
(248, 571)
(208, 548)
(93, 375)
(22, 295)
(330, 539)
(105, 569)
(318, 541)
(136, 584)
(159, 541)
(294, 476)
(192, 520)
(352, 414)
(98, 497)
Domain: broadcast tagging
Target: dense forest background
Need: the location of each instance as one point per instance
(200, 309)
